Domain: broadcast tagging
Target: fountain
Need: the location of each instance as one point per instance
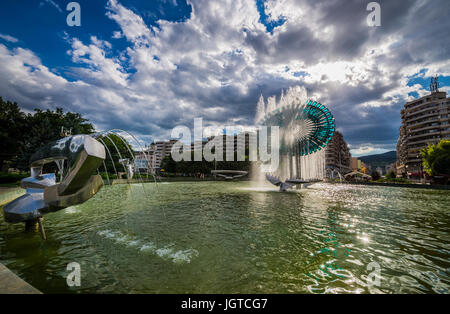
(332, 174)
(305, 128)
(229, 174)
(128, 163)
(83, 154)
(43, 195)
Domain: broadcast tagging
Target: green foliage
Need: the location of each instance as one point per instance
(375, 175)
(169, 165)
(391, 175)
(12, 127)
(22, 134)
(436, 158)
(12, 177)
(116, 148)
(106, 176)
(393, 180)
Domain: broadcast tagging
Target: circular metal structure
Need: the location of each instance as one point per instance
(304, 128)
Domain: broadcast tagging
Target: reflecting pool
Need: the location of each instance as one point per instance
(225, 237)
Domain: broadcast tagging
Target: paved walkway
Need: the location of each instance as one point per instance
(10, 283)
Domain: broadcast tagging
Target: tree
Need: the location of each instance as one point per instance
(45, 126)
(436, 158)
(391, 175)
(117, 148)
(169, 165)
(12, 128)
(375, 175)
(22, 134)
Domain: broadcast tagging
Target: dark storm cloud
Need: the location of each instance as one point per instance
(293, 43)
(217, 63)
(418, 22)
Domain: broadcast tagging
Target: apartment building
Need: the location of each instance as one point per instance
(424, 121)
(238, 142)
(337, 154)
(153, 155)
(161, 149)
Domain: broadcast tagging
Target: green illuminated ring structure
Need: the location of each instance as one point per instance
(304, 128)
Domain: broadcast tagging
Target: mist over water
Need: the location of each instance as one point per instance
(292, 166)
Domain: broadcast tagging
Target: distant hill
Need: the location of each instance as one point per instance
(379, 160)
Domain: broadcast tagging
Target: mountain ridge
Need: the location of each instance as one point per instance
(379, 160)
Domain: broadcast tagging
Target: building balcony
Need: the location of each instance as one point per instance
(428, 141)
(414, 130)
(410, 125)
(425, 108)
(438, 132)
(415, 149)
(427, 115)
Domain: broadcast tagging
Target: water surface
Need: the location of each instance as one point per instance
(225, 237)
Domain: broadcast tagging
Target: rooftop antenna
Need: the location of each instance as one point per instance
(434, 84)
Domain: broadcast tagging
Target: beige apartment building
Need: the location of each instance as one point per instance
(337, 154)
(424, 121)
(152, 158)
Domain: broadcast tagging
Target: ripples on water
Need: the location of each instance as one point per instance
(223, 237)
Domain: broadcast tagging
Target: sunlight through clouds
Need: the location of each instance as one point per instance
(221, 58)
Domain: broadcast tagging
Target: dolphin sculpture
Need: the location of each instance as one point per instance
(83, 154)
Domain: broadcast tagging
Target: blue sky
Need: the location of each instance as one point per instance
(41, 26)
(147, 66)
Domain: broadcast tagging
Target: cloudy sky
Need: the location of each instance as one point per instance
(147, 66)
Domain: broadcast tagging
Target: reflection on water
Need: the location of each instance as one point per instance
(224, 237)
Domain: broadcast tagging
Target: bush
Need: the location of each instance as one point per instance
(391, 175)
(12, 177)
(111, 176)
(375, 175)
(394, 180)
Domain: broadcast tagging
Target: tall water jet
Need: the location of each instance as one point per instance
(305, 128)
